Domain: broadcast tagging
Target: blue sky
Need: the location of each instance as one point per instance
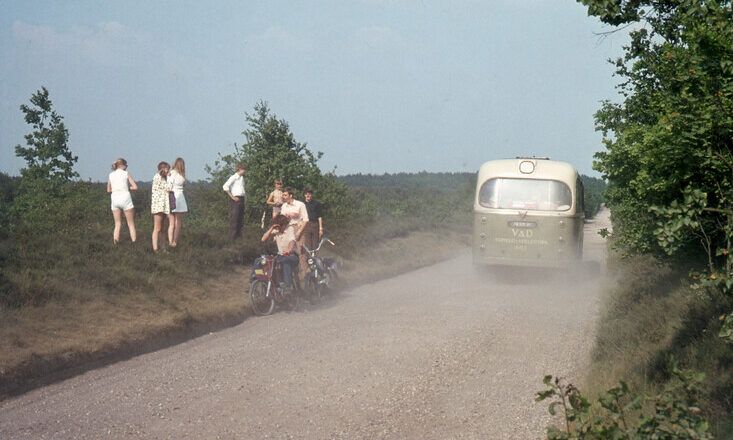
(377, 85)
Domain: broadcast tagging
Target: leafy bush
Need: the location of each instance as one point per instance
(672, 414)
(8, 188)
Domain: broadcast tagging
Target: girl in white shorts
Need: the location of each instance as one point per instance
(177, 180)
(119, 185)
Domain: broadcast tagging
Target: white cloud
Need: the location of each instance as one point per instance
(109, 43)
(281, 37)
(377, 37)
(105, 45)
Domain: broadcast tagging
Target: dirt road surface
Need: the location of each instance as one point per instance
(438, 353)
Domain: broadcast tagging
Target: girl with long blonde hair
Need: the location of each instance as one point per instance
(177, 180)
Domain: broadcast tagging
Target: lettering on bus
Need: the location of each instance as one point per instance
(521, 243)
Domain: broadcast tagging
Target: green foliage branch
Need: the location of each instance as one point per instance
(622, 414)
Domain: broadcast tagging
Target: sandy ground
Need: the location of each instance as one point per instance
(438, 353)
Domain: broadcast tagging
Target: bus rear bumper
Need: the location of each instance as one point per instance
(524, 262)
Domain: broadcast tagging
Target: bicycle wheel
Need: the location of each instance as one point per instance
(262, 303)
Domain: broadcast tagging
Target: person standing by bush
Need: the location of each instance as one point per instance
(160, 203)
(313, 230)
(119, 185)
(294, 210)
(276, 198)
(177, 180)
(297, 213)
(234, 187)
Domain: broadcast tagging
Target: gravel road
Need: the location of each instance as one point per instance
(438, 353)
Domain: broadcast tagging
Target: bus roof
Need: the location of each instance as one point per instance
(531, 168)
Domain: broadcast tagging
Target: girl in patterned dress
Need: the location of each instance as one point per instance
(160, 203)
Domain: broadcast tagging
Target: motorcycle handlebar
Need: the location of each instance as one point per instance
(320, 243)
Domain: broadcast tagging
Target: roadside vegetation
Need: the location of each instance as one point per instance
(662, 367)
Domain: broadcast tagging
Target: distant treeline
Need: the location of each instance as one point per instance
(423, 179)
(593, 197)
(458, 181)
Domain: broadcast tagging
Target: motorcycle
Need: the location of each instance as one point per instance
(266, 287)
(320, 272)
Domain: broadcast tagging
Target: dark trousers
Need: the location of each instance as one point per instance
(310, 235)
(236, 217)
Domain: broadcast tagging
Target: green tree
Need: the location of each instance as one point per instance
(47, 154)
(44, 196)
(270, 151)
(669, 143)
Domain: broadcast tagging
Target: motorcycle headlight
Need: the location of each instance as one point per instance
(310, 261)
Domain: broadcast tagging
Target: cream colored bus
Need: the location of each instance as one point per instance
(528, 211)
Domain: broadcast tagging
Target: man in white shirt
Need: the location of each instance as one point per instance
(234, 187)
(297, 212)
(294, 210)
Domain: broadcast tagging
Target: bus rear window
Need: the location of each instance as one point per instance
(525, 194)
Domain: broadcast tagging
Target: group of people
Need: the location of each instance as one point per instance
(168, 204)
(294, 223)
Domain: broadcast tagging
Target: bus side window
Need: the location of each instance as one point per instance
(580, 196)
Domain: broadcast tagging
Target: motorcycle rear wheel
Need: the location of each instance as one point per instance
(262, 304)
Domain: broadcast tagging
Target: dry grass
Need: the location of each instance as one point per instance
(651, 318)
(60, 338)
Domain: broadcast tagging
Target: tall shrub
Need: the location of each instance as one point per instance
(48, 171)
(270, 151)
(47, 154)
